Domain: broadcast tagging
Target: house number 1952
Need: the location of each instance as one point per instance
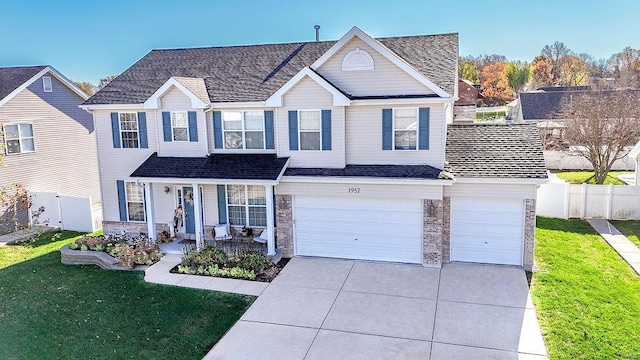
(354, 190)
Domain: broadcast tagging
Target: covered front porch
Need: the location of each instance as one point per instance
(212, 201)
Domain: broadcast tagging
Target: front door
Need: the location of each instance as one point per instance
(189, 213)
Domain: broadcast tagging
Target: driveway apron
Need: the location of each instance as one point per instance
(345, 309)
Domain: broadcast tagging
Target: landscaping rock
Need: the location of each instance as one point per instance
(98, 258)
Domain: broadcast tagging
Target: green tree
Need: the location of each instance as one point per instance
(468, 71)
(518, 75)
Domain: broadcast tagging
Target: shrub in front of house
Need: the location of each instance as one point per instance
(129, 253)
(211, 261)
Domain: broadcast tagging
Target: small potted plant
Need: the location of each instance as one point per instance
(246, 231)
(164, 237)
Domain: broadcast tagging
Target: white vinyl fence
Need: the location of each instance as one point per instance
(561, 200)
(66, 212)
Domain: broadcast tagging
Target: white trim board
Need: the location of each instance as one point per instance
(384, 51)
(154, 100)
(56, 74)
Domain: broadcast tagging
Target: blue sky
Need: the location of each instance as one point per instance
(88, 39)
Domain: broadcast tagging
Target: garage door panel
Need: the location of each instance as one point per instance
(487, 230)
(359, 228)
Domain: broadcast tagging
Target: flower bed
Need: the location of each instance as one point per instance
(247, 265)
(129, 253)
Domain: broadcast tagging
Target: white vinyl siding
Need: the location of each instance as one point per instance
(386, 79)
(364, 138)
(176, 101)
(19, 138)
(308, 95)
(129, 130)
(65, 159)
(243, 129)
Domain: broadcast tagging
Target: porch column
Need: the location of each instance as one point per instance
(197, 209)
(271, 243)
(150, 214)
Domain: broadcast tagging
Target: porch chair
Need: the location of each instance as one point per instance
(222, 232)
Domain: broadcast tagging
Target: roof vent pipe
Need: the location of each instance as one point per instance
(317, 27)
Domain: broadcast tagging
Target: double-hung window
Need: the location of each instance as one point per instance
(180, 126)
(243, 129)
(310, 129)
(19, 138)
(405, 129)
(135, 201)
(247, 205)
(129, 130)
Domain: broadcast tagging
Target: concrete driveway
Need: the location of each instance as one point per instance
(343, 309)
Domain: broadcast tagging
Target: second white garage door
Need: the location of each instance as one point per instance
(487, 230)
(359, 228)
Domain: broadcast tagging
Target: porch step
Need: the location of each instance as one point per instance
(277, 257)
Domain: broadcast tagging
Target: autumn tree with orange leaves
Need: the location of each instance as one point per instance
(495, 84)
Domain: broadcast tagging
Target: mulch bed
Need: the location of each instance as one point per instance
(266, 275)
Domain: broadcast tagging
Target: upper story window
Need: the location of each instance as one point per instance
(135, 201)
(247, 205)
(243, 129)
(47, 86)
(129, 130)
(18, 138)
(310, 129)
(405, 129)
(180, 126)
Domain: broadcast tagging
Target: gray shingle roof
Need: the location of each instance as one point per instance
(381, 171)
(548, 105)
(218, 166)
(495, 151)
(12, 77)
(255, 72)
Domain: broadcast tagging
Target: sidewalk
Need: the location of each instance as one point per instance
(24, 234)
(627, 250)
(159, 273)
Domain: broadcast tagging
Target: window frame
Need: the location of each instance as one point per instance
(127, 201)
(120, 130)
(186, 116)
(243, 131)
(20, 138)
(319, 111)
(246, 205)
(46, 79)
(393, 128)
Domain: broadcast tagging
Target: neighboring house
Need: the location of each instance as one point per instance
(334, 148)
(48, 142)
(634, 154)
(544, 107)
(464, 109)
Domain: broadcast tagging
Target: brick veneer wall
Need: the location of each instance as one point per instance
(446, 230)
(432, 232)
(529, 233)
(284, 224)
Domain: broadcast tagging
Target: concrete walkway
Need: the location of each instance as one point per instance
(14, 237)
(159, 273)
(625, 248)
(343, 309)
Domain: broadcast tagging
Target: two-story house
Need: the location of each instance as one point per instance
(334, 148)
(47, 142)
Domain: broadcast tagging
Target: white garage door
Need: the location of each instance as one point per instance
(357, 228)
(486, 230)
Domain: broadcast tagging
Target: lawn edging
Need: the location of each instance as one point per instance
(90, 257)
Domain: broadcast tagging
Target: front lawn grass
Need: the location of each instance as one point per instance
(53, 311)
(630, 229)
(587, 298)
(580, 177)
